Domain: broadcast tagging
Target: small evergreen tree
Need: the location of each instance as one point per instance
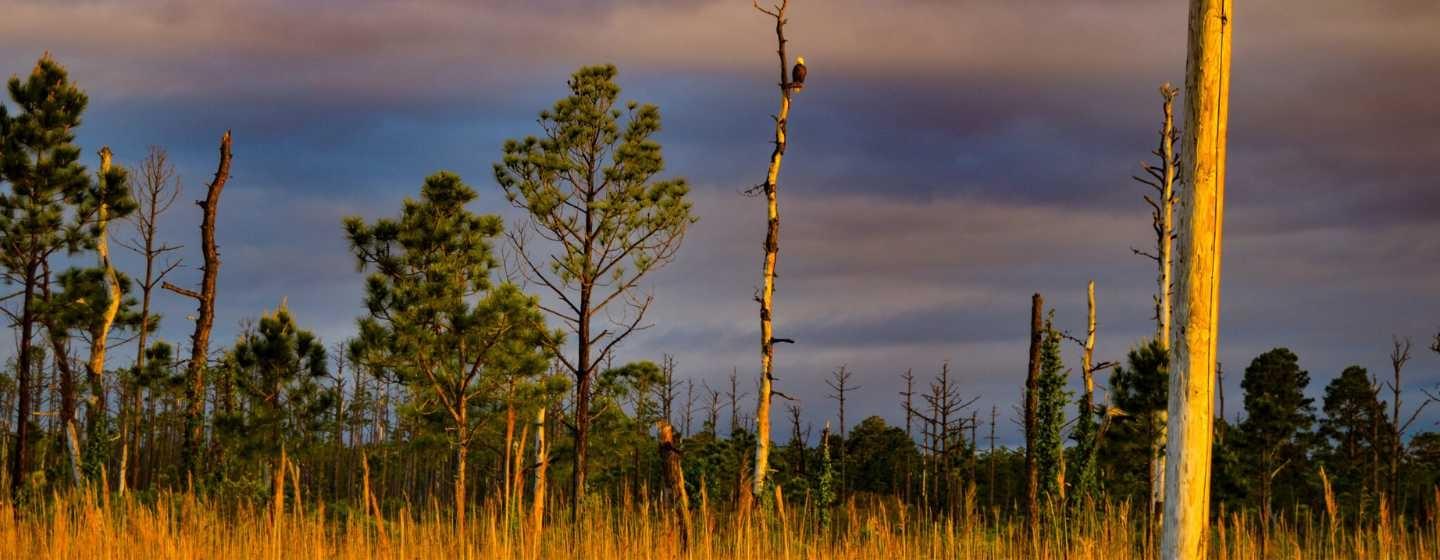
(276, 368)
(1138, 391)
(436, 321)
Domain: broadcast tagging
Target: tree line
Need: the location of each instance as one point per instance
(462, 384)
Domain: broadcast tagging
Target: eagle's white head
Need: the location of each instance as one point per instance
(800, 60)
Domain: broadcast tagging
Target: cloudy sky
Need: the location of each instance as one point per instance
(947, 159)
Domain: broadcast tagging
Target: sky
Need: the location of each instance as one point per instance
(947, 159)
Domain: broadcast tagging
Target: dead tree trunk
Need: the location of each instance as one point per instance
(1032, 402)
(95, 408)
(675, 480)
(772, 251)
(542, 463)
(1162, 179)
(1398, 358)
(205, 319)
(1192, 364)
(156, 191)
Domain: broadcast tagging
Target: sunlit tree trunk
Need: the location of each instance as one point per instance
(772, 251)
(1192, 365)
(95, 412)
(542, 462)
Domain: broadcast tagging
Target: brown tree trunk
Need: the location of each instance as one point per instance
(675, 480)
(1032, 403)
(20, 460)
(462, 454)
(1193, 351)
(205, 318)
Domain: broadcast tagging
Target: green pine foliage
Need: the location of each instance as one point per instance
(1276, 431)
(276, 369)
(1356, 433)
(589, 187)
(1139, 391)
(437, 322)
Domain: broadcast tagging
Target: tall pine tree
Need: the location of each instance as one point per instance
(49, 209)
(589, 187)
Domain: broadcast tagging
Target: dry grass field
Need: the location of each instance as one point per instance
(180, 526)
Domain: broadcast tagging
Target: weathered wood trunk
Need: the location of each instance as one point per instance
(772, 251)
(542, 462)
(205, 318)
(1032, 402)
(95, 410)
(675, 480)
(1165, 256)
(1193, 349)
(1087, 359)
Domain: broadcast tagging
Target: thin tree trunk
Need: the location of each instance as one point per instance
(20, 461)
(772, 252)
(1032, 403)
(1192, 377)
(542, 463)
(462, 453)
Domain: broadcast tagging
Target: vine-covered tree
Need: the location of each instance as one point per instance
(589, 188)
(1050, 415)
(436, 319)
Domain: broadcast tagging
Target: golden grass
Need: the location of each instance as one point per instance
(180, 526)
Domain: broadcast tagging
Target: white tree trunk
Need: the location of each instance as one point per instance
(1197, 310)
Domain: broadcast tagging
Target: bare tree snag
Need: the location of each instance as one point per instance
(675, 480)
(156, 191)
(1087, 358)
(1399, 356)
(95, 411)
(1162, 179)
(772, 251)
(1032, 402)
(205, 319)
(542, 462)
(1197, 311)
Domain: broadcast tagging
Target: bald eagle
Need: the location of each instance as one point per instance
(797, 75)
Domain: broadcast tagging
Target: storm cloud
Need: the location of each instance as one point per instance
(947, 160)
